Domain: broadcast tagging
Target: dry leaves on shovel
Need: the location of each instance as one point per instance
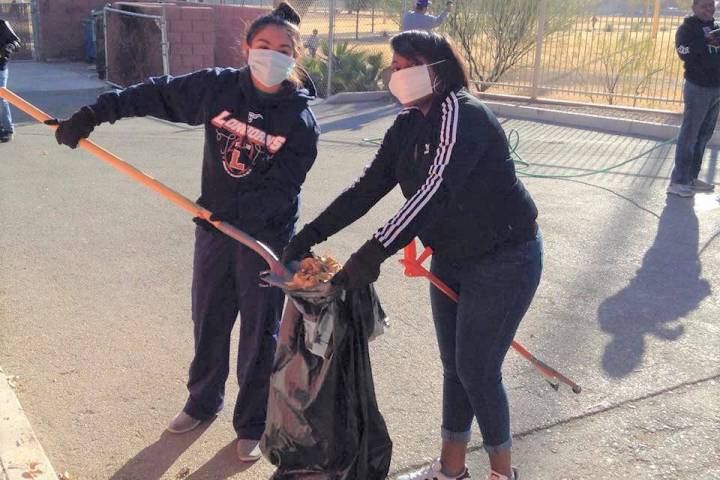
(312, 271)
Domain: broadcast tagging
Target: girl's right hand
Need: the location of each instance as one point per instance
(75, 128)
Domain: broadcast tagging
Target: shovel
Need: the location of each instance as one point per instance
(196, 210)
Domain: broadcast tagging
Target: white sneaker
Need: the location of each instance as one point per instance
(433, 472)
(702, 186)
(680, 190)
(248, 450)
(183, 423)
(496, 476)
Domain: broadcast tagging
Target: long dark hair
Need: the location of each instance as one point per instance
(286, 17)
(429, 47)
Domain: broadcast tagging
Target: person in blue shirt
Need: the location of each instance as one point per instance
(260, 142)
(419, 19)
(9, 43)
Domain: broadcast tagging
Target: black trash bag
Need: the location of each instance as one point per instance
(323, 421)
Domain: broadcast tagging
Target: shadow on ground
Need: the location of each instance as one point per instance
(645, 306)
(153, 461)
(223, 465)
(352, 121)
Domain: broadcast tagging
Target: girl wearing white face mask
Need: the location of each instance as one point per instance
(450, 157)
(260, 142)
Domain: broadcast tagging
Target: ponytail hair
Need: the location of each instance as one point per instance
(283, 16)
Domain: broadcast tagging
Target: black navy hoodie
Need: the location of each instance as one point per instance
(455, 170)
(258, 148)
(700, 51)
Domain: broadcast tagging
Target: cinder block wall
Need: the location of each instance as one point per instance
(200, 36)
(231, 25)
(61, 32)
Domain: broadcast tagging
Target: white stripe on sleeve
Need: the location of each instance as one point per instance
(448, 136)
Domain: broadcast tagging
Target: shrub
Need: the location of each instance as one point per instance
(354, 70)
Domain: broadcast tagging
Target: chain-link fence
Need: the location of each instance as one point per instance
(133, 44)
(358, 34)
(19, 16)
(619, 53)
(571, 50)
(578, 50)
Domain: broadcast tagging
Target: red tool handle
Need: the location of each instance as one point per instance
(414, 268)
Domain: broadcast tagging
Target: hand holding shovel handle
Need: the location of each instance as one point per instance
(196, 210)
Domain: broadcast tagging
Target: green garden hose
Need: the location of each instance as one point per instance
(514, 143)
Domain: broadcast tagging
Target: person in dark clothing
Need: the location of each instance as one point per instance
(698, 44)
(450, 157)
(260, 142)
(9, 43)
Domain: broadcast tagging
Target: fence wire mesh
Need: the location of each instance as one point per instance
(19, 16)
(133, 46)
(545, 49)
(578, 50)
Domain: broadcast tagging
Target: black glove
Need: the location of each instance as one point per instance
(75, 128)
(204, 224)
(362, 268)
(300, 245)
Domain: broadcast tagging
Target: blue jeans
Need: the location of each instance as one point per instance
(475, 334)
(225, 283)
(6, 124)
(701, 113)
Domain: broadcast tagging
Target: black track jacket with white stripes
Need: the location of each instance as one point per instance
(455, 170)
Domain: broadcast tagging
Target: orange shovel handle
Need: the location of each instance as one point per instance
(193, 208)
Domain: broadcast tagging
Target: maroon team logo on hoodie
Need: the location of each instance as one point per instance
(243, 144)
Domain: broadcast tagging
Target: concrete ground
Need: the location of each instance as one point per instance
(95, 280)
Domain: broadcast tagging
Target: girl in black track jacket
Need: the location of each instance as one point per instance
(450, 157)
(260, 142)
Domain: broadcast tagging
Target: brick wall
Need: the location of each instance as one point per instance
(191, 34)
(61, 31)
(231, 24)
(200, 35)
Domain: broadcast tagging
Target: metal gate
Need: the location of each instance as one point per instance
(20, 17)
(136, 45)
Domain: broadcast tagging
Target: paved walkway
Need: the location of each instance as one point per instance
(95, 274)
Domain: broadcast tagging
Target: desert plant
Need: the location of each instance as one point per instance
(494, 35)
(354, 70)
(627, 62)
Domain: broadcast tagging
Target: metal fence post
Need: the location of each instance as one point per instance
(542, 9)
(656, 19)
(331, 48)
(164, 46)
(35, 21)
(105, 38)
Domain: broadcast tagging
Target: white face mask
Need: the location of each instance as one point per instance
(270, 67)
(411, 84)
